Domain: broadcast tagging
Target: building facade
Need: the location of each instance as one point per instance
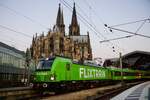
(56, 42)
(12, 66)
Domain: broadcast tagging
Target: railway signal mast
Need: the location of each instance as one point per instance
(120, 58)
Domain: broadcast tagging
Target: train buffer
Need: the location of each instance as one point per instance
(138, 92)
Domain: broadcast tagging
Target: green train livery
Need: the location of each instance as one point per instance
(60, 72)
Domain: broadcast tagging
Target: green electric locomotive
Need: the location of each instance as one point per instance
(60, 72)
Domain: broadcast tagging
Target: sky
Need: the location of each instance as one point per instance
(21, 19)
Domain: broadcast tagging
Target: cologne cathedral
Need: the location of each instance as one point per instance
(56, 42)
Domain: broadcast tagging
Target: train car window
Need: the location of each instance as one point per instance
(129, 74)
(124, 73)
(117, 73)
(133, 74)
(146, 74)
(68, 66)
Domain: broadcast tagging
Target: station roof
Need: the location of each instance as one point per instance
(136, 53)
(11, 48)
(136, 60)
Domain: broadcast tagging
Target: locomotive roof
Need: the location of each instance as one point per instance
(77, 62)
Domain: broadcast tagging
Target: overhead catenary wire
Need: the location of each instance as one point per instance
(116, 38)
(16, 12)
(134, 33)
(81, 10)
(10, 38)
(98, 17)
(84, 20)
(10, 29)
(125, 36)
(26, 17)
(130, 22)
(91, 23)
(140, 26)
(129, 32)
(10, 41)
(86, 16)
(101, 21)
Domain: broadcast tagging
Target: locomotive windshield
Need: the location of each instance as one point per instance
(45, 64)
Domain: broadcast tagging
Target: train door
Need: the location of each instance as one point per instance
(68, 72)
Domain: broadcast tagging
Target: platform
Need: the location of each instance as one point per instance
(138, 92)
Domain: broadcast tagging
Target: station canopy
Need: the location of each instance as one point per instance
(134, 60)
(137, 60)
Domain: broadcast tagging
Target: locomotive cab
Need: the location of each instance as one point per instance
(43, 74)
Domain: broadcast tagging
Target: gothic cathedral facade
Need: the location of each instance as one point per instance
(56, 42)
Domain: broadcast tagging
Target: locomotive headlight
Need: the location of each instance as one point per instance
(34, 78)
(52, 78)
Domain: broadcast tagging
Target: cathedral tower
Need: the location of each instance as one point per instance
(74, 28)
(74, 45)
(60, 21)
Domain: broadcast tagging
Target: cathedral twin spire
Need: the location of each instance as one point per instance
(74, 28)
(56, 43)
(60, 21)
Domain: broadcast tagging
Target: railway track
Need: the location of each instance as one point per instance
(23, 93)
(99, 93)
(27, 93)
(16, 93)
(109, 93)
